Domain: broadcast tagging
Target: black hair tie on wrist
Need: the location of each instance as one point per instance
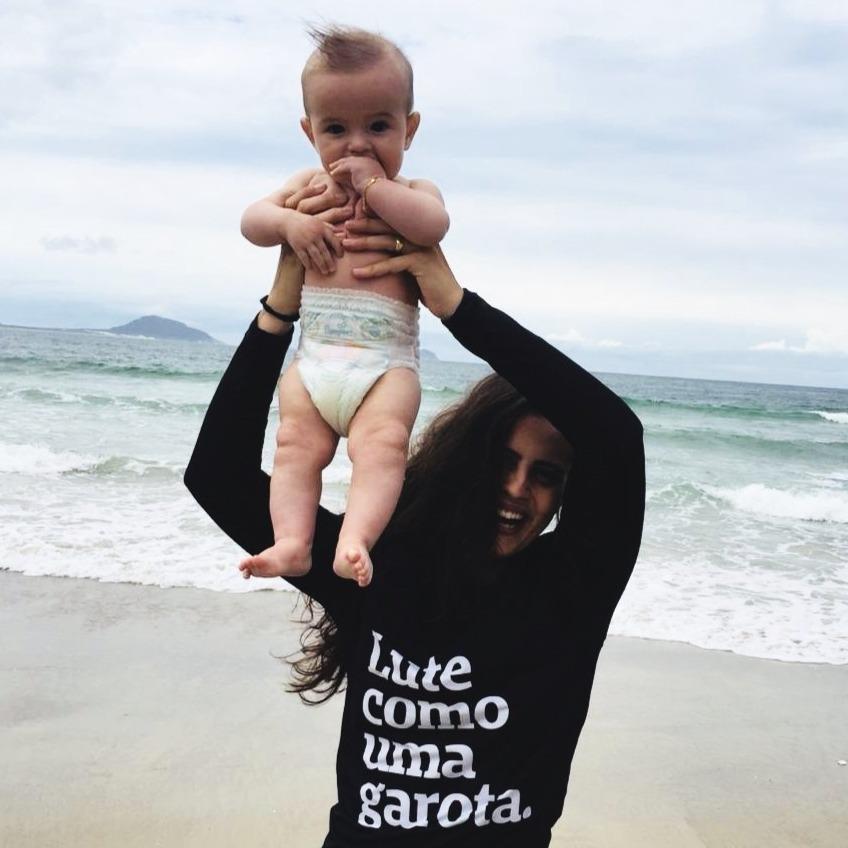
(281, 316)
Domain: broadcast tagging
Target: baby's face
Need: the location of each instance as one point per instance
(360, 114)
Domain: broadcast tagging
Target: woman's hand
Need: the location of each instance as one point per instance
(323, 198)
(358, 230)
(440, 291)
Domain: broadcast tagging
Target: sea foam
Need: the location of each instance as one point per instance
(41, 461)
(814, 505)
(37, 459)
(726, 607)
(835, 417)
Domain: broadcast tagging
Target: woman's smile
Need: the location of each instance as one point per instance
(536, 461)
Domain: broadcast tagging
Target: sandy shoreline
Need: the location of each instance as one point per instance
(136, 716)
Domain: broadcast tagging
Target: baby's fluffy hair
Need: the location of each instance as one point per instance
(349, 49)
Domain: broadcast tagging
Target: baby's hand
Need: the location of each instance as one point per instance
(321, 193)
(355, 171)
(314, 243)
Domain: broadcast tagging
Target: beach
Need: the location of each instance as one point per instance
(141, 716)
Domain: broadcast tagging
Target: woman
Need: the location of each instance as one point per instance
(469, 660)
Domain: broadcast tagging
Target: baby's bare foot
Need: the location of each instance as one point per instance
(353, 563)
(286, 558)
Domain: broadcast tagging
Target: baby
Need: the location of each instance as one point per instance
(355, 373)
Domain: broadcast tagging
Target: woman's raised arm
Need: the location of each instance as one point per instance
(604, 501)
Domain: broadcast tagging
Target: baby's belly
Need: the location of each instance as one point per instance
(401, 287)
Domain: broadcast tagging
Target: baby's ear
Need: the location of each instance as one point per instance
(412, 122)
(306, 126)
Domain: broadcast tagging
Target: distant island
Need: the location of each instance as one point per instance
(155, 327)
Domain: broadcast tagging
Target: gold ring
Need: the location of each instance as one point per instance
(398, 246)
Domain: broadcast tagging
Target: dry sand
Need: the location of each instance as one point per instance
(136, 716)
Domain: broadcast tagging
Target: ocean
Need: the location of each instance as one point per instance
(746, 535)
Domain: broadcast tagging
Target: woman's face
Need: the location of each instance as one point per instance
(536, 462)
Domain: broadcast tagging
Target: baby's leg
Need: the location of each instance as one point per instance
(378, 443)
(305, 446)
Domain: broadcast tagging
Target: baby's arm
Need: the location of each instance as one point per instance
(415, 210)
(264, 221)
(270, 221)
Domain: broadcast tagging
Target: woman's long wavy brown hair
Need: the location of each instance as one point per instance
(447, 511)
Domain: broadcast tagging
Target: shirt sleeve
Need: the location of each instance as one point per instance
(225, 475)
(600, 531)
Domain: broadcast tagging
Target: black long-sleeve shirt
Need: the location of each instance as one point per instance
(458, 735)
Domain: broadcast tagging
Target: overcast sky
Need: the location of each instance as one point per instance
(657, 187)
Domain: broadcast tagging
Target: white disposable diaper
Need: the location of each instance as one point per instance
(349, 338)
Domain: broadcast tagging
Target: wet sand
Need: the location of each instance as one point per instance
(136, 716)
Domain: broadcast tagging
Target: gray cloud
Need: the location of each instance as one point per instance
(686, 159)
(86, 244)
